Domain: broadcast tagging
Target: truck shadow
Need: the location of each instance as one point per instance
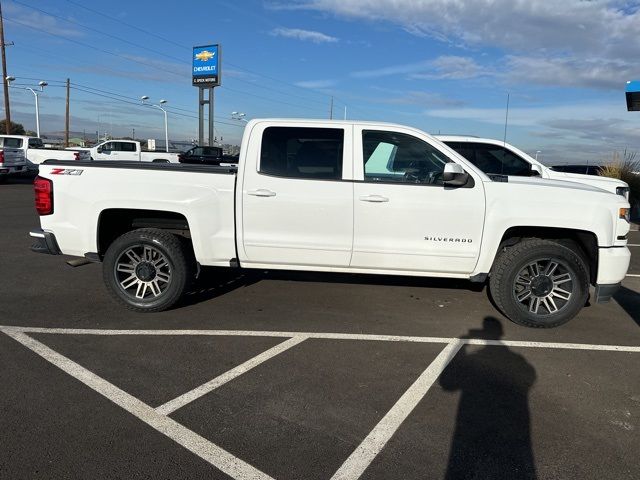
(630, 303)
(214, 282)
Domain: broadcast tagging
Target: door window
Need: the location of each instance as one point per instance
(301, 152)
(126, 146)
(402, 158)
(494, 159)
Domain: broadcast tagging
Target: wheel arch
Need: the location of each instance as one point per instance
(114, 222)
(585, 241)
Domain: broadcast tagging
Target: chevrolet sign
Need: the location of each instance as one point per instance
(205, 71)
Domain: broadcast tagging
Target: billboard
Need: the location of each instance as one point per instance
(205, 69)
(633, 96)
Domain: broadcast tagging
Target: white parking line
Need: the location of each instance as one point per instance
(373, 444)
(331, 336)
(216, 456)
(179, 402)
(633, 275)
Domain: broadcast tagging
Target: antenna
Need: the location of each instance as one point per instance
(506, 121)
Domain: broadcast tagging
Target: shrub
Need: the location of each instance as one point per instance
(627, 169)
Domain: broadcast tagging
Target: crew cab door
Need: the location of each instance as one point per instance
(107, 151)
(405, 218)
(296, 209)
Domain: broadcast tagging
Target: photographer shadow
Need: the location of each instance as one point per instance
(492, 438)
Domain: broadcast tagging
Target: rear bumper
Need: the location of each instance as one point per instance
(45, 242)
(11, 170)
(605, 292)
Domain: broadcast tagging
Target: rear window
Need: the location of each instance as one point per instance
(13, 142)
(301, 152)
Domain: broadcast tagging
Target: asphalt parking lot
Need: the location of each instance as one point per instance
(304, 376)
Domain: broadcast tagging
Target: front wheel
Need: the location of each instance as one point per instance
(539, 283)
(147, 270)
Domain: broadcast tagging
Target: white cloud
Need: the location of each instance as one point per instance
(316, 83)
(304, 35)
(453, 67)
(574, 35)
(22, 17)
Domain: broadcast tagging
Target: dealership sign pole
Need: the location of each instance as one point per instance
(205, 74)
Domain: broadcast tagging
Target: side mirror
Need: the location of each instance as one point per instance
(454, 175)
(536, 171)
(99, 150)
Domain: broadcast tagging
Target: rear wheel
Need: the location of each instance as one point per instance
(148, 270)
(539, 283)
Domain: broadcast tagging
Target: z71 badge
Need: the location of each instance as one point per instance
(66, 171)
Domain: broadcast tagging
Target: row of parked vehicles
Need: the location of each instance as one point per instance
(343, 196)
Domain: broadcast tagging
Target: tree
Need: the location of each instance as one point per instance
(30, 133)
(16, 128)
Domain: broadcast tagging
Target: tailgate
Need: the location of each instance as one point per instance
(13, 157)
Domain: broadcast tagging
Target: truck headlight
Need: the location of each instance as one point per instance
(624, 214)
(624, 191)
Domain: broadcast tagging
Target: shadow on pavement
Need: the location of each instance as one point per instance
(630, 302)
(492, 438)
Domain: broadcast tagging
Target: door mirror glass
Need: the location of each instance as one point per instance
(454, 175)
(99, 150)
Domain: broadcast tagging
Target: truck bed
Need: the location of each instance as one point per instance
(179, 167)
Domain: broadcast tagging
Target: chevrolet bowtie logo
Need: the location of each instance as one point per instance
(204, 56)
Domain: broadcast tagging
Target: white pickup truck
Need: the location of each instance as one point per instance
(338, 196)
(127, 151)
(35, 153)
(12, 161)
(496, 157)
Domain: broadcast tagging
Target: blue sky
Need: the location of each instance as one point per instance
(440, 65)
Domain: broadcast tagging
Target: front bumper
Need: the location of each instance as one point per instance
(45, 242)
(613, 264)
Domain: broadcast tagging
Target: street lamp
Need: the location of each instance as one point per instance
(239, 116)
(144, 98)
(41, 84)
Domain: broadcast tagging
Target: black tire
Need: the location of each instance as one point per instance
(165, 281)
(3, 178)
(509, 288)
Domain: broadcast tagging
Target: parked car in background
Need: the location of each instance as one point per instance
(338, 196)
(35, 153)
(129, 151)
(12, 160)
(202, 156)
(495, 157)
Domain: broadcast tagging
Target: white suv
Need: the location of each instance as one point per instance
(495, 157)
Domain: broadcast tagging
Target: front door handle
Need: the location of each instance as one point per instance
(261, 192)
(374, 198)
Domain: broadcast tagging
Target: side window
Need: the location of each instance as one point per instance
(126, 147)
(35, 143)
(13, 142)
(301, 152)
(397, 157)
(197, 151)
(463, 148)
(109, 147)
(494, 159)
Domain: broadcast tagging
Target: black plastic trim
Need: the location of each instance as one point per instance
(605, 292)
(46, 244)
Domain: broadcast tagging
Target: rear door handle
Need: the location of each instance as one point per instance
(374, 198)
(261, 192)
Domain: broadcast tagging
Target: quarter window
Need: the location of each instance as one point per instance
(402, 158)
(300, 152)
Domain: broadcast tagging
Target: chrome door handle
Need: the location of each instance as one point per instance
(374, 198)
(261, 192)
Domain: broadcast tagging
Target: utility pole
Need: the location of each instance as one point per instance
(7, 111)
(66, 118)
(331, 109)
(133, 133)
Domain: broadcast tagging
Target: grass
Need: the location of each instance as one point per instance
(625, 167)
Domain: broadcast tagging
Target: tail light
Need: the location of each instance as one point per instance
(1, 156)
(43, 188)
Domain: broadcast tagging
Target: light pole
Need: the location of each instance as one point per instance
(42, 84)
(239, 116)
(166, 124)
(537, 152)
